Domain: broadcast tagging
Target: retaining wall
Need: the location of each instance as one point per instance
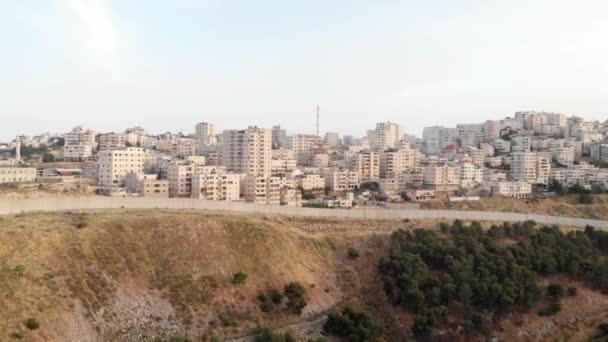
(14, 206)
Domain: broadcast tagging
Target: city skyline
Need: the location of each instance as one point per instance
(109, 64)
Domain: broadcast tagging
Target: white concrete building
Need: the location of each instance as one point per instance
(338, 180)
(248, 151)
(216, 186)
(386, 135)
(79, 144)
(116, 164)
(366, 165)
(17, 174)
(511, 189)
(531, 167)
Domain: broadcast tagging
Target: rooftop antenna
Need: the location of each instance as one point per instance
(318, 121)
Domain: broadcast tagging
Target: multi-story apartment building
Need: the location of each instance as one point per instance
(521, 144)
(218, 186)
(531, 167)
(511, 189)
(386, 135)
(310, 181)
(248, 151)
(393, 162)
(79, 144)
(301, 143)
(205, 134)
(437, 137)
(270, 190)
(17, 174)
(366, 165)
(491, 130)
(341, 180)
(282, 166)
(146, 185)
(180, 173)
(332, 140)
(114, 166)
(112, 141)
(470, 175)
(278, 137)
(470, 134)
(441, 175)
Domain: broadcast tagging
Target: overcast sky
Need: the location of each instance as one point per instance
(167, 64)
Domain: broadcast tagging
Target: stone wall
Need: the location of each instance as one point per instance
(14, 206)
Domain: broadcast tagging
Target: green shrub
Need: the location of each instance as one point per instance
(555, 291)
(275, 296)
(550, 310)
(31, 324)
(265, 334)
(352, 324)
(296, 297)
(239, 278)
(353, 253)
(226, 320)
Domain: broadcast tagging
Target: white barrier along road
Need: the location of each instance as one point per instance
(15, 206)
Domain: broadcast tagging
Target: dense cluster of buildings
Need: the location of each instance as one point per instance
(510, 157)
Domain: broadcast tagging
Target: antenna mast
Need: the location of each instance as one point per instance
(318, 121)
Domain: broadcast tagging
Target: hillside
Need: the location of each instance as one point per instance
(159, 275)
(569, 206)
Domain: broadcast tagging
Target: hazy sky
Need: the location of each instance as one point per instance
(167, 64)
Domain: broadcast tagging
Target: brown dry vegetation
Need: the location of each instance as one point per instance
(559, 206)
(137, 275)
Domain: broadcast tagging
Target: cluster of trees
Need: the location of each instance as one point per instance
(470, 275)
(561, 189)
(294, 292)
(269, 299)
(351, 325)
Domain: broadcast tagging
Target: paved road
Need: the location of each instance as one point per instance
(14, 206)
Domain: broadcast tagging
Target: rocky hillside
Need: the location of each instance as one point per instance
(170, 275)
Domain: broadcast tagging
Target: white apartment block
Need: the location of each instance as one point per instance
(521, 144)
(116, 164)
(180, 173)
(437, 137)
(491, 130)
(112, 141)
(341, 180)
(216, 186)
(366, 165)
(300, 143)
(470, 175)
(79, 144)
(470, 134)
(278, 137)
(282, 166)
(441, 175)
(248, 151)
(511, 189)
(332, 139)
(531, 167)
(17, 174)
(146, 185)
(393, 162)
(205, 134)
(310, 181)
(270, 190)
(283, 154)
(386, 135)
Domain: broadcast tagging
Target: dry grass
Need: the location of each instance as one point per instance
(559, 206)
(126, 274)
